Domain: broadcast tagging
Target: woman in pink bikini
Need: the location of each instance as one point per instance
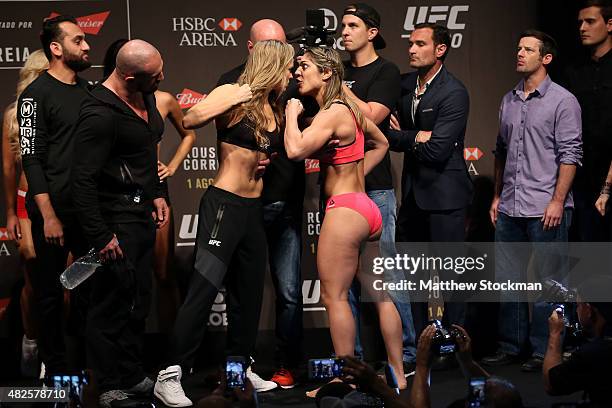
(351, 217)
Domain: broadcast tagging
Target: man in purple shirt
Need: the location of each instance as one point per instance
(538, 148)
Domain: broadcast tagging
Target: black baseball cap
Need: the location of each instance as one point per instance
(370, 16)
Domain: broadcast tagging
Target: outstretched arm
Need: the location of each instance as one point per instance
(219, 101)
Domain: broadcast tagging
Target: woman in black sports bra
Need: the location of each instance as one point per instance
(231, 242)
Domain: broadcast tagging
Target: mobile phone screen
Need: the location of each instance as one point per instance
(234, 373)
(325, 368)
(476, 394)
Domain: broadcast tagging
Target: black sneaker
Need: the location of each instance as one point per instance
(142, 389)
(534, 364)
(499, 359)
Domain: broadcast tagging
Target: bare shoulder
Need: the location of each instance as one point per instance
(335, 113)
(163, 97)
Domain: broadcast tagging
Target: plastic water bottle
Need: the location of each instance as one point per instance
(80, 270)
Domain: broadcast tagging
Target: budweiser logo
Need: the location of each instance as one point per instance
(230, 24)
(90, 24)
(187, 98)
(311, 166)
(472, 153)
(3, 234)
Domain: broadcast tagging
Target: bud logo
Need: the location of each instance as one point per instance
(187, 98)
(472, 153)
(230, 24)
(90, 24)
(4, 234)
(311, 166)
(434, 14)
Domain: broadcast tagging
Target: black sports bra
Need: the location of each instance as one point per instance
(243, 134)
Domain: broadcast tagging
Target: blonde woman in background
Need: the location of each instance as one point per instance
(18, 224)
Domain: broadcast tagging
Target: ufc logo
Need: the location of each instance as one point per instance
(434, 14)
(189, 226)
(214, 242)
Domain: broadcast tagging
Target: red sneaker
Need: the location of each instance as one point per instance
(283, 378)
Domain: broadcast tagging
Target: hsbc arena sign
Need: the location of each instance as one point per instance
(206, 31)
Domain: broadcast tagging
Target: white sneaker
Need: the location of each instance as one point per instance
(259, 383)
(43, 372)
(168, 388)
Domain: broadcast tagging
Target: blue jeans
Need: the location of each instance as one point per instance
(511, 262)
(385, 200)
(284, 233)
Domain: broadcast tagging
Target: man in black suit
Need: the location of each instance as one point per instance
(430, 131)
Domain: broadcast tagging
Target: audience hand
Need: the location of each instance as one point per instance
(464, 343)
(424, 355)
(555, 323)
(360, 372)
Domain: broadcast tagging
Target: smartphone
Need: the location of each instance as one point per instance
(235, 372)
(476, 392)
(74, 383)
(325, 368)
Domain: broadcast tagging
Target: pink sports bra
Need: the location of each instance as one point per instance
(351, 152)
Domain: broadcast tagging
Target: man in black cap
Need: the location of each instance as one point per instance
(374, 85)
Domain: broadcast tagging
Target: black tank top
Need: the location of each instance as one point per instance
(243, 134)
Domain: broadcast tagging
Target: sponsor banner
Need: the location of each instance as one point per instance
(453, 17)
(187, 98)
(471, 155)
(21, 22)
(200, 43)
(311, 166)
(90, 24)
(206, 31)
